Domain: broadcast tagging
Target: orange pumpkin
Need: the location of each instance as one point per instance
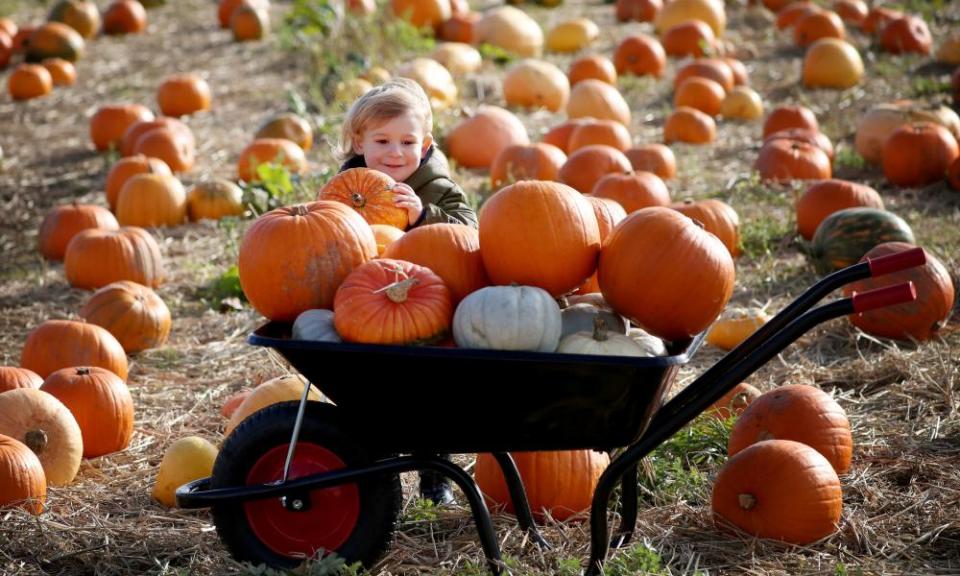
(370, 193)
(734, 402)
(877, 19)
(250, 21)
(701, 94)
(150, 200)
(633, 190)
(6, 49)
(81, 15)
(389, 301)
(559, 135)
(919, 320)
(785, 117)
(801, 413)
(609, 213)
(231, 404)
(693, 272)
(539, 234)
(46, 427)
(594, 66)
(422, 13)
(460, 28)
(28, 81)
(385, 235)
(717, 218)
(176, 151)
(586, 166)
(225, 10)
(215, 198)
(183, 94)
(655, 158)
(97, 257)
(608, 132)
(735, 326)
(270, 150)
(62, 73)
(22, 481)
(779, 489)
(918, 154)
(63, 222)
(559, 483)
(638, 10)
(126, 168)
(495, 127)
(640, 55)
(12, 377)
(52, 40)
(818, 139)
(124, 17)
(57, 344)
(740, 75)
(690, 126)
(714, 69)
(852, 12)
(794, 11)
(101, 404)
(290, 126)
(526, 162)
(133, 313)
(133, 132)
(306, 277)
(953, 173)
(782, 160)
(816, 25)
(692, 38)
(826, 197)
(8, 26)
(906, 34)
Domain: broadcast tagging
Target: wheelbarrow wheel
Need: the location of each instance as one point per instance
(357, 521)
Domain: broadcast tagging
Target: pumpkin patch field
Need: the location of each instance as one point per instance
(643, 171)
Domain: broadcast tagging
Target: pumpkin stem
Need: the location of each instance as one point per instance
(36, 440)
(83, 371)
(397, 292)
(358, 200)
(300, 210)
(747, 501)
(599, 329)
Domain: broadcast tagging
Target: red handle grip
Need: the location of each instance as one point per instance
(895, 262)
(881, 297)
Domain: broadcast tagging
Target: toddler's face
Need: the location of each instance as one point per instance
(394, 147)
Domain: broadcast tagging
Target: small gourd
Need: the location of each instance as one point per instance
(186, 460)
(582, 317)
(600, 342)
(316, 325)
(651, 345)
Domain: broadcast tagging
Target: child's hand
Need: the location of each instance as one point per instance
(405, 197)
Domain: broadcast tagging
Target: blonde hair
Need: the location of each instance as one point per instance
(382, 103)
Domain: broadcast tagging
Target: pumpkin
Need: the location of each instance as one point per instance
(740, 75)
(690, 126)
(370, 193)
(828, 196)
(53, 40)
(351, 89)
(231, 404)
(56, 344)
(81, 15)
(135, 315)
(779, 489)
(717, 218)
(679, 11)
(597, 99)
(953, 174)
(422, 13)
(460, 28)
(609, 213)
(150, 200)
(97, 257)
(842, 238)
(649, 344)
(701, 94)
(12, 377)
(250, 21)
(918, 320)
(948, 52)
(225, 9)
(290, 126)
(794, 11)
(64, 222)
(321, 242)
(594, 66)
(714, 69)
(183, 94)
(818, 139)
(435, 80)
(816, 25)
(800, 413)
(385, 235)
(101, 404)
(877, 19)
(880, 121)
(656, 158)
(785, 117)
(316, 325)
(131, 135)
(608, 132)
(495, 127)
(62, 73)
(188, 459)
(28, 81)
(918, 154)
(124, 168)
(47, 427)
(511, 29)
(741, 103)
(22, 481)
(559, 483)
(508, 318)
(176, 150)
(693, 269)
(735, 326)
(536, 84)
(638, 10)
(6, 48)
(586, 166)
(457, 57)
(584, 317)
(734, 402)
(632, 190)
(215, 198)
(388, 301)
(8, 26)
(270, 150)
(832, 63)
(781, 160)
(906, 34)
(692, 38)
(640, 55)
(559, 135)
(572, 35)
(526, 162)
(852, 12)
(124, 17)
(280, 389)
(452, 251)
(600, 342)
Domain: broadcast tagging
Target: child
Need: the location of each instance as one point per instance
(388, 129)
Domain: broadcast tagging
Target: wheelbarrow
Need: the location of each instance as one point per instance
(300, 478)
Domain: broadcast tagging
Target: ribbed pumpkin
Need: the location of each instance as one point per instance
(801, 413)
(826, 197)
(843, 237)
(270, 150)
(495, 127)
(735, 326)
(101, 404)
(609, 213)
(633, 190)
(818, 139)
(57, 344)
(451, 251)
(290, 126)
(280, 389)
(608, 132)
(370, 193)
(656, 158)
(879, 122)
(782, 160)
(690, 126)
(536, 83)
(717, 217)
(508, 318)
(125, 168)
(385, 235)
(81, 15)
(539, 234)
(538, 161)
(54, 40)
(132, 134)
(47, 427)
(921, 319)
(586, 166)
(734, 402)
(64, 222)
(779, 489)
(918, 154)
(320, 243)
(389, 301)
(559, 483)
(133, 313)
(22, 481)
(693, 273)
(150, 200)
(124, 17)
(12, 377)
(639, 55)
(599, 100)
(214, 199)
(97, 257)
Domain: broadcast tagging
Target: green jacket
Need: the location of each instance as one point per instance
(443, 199)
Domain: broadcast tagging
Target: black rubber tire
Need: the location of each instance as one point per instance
(380, 496)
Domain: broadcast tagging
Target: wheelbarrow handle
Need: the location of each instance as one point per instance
(883, 297)
(896, 262)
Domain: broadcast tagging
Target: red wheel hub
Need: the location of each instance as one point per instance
(333, 511)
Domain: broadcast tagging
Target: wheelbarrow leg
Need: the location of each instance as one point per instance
(518, 496)
(628, 508)
(599, 542)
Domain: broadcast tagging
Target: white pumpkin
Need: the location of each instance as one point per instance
(600, 342)
(652, 346)
(592, 298)
(580, 318)
(508, 318)
(317, 325)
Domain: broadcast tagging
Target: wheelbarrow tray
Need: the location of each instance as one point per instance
(410, 399)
